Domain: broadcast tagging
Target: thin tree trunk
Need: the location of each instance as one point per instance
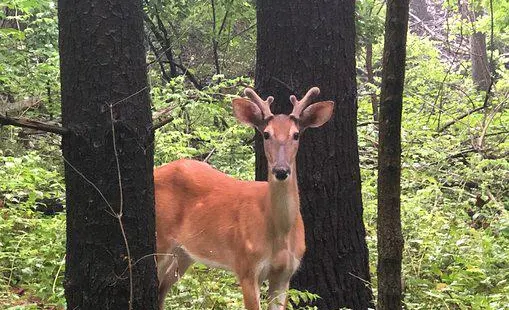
(479, 59)
(390, 239)
(166, 43)
(478, 54)
(109, 156)
(311, 43)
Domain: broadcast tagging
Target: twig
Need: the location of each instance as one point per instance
(492, 198)
(167, 52)
(367, 283)
(440, 90)
(460, 154)
(487, 123)
(121, 210)
(111, 211)
(161, 64)
(58, 273)
(288, 87)
(28, 123)
(14, 258)
(237, 34)
(128, 97)
(462, 116)
(117, 162)
(189, 75)
(206, 160)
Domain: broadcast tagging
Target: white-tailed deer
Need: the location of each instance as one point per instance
(253, 228)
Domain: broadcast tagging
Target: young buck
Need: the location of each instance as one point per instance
(253, 228)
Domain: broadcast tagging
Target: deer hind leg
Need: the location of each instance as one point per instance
(278, 287)
(170, 268)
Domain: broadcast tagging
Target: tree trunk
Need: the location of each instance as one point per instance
(479, 58)
(390, 239)
(478, 54)
(311, 43)
(110, 199)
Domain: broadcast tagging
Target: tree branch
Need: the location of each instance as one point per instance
(189, 75)
(169, 56)
(162, 122)
(27, 123)
(159, 118)
(462, 116)
(237, 34)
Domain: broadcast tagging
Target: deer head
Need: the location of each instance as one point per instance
(281, 133)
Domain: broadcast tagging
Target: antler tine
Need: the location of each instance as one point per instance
(300, 105)
(264, 105)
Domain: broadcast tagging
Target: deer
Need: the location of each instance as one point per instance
(252, 228)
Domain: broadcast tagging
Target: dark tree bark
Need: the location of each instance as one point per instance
(311, 43)
(390, 239)
(103, 69)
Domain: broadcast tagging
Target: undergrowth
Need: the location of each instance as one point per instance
(456, 236)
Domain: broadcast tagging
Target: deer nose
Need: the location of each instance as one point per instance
(281, 173)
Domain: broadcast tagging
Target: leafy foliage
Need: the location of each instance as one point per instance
(454, 189)
(29, 54)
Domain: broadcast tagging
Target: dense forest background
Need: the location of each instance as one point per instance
(201, 54)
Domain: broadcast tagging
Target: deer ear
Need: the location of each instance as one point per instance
(247, 112)
(316, 114)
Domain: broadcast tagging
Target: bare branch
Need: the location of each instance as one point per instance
(162, 122)
(161, 118)
(28, 123)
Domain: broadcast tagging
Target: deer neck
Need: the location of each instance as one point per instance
(284, 204)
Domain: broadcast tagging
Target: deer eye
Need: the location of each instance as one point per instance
(296, 136)
(266, 135)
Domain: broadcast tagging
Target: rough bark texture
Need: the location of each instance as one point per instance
(102, 62)
(390, 239)
(311, 43)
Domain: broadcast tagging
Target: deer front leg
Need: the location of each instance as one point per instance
(171, 267)
(250, 291)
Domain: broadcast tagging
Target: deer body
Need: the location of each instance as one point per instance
(254, 229)
(237, 236)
